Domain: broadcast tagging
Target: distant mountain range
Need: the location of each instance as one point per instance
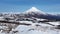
(36, 13)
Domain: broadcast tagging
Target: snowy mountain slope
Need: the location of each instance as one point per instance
(34, 10)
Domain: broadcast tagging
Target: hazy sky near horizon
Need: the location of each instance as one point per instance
(48, 6)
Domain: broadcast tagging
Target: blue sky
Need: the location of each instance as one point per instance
(48, 6)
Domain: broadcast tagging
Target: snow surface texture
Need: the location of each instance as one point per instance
(42, 29)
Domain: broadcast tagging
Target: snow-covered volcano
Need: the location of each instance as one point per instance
(34, 10)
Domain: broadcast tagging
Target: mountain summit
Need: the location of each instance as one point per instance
(34, 10)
